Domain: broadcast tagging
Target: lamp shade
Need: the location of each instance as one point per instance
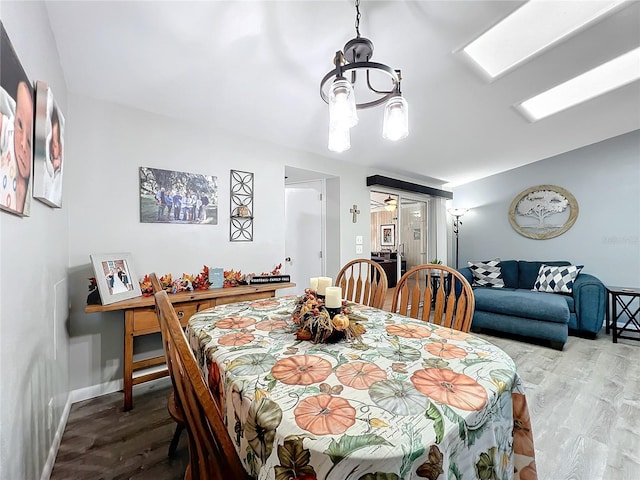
(396, 119)
(457, 212)
(342, 105)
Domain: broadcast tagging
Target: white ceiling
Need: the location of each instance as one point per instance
(255, 68)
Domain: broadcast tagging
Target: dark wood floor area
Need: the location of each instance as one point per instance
(102, 442)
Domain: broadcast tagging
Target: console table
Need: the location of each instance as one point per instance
(628, 301)
(140, 319)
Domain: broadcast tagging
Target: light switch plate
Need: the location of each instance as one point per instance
(359, 241)
(358, 248)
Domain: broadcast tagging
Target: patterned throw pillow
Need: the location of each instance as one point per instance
(487, 274)
(556, 279)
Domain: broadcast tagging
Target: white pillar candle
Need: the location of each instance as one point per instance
(323, 283)
(313, 283)
(333, 297)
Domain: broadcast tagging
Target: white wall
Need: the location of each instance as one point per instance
(605, 180)
(33, 284)
(108, 144)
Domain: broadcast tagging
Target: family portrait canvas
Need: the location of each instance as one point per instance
(167, 196)
(16, 131)
(49, 148)
(115, 277)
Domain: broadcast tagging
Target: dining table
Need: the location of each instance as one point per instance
(406, 400)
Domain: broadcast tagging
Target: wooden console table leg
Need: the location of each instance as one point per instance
(128, 360)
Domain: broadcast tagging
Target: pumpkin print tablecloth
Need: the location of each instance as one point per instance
(411, 401)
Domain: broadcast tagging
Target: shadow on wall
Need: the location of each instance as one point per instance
(100, 336)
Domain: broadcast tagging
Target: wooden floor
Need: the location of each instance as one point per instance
(584, 403)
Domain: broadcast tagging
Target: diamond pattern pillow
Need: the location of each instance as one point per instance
(487, 274)
(556, 279)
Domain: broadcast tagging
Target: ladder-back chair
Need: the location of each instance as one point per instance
(363, 281)
(212, 455)
(173, 406)
(437, 294)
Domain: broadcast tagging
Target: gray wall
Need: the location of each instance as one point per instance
(605, 180)
(33, 285)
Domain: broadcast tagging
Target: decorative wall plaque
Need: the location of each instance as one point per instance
(543, 211)
(241, 205)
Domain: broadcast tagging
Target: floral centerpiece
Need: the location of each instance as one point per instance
(320, 324)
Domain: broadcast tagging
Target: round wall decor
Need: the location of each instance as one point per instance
(543, 211)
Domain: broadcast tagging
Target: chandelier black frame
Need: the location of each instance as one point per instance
(350, 61)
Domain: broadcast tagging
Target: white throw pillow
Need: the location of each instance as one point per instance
(556, 279)
(487, 274)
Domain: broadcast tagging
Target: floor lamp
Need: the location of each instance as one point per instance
(456, 213)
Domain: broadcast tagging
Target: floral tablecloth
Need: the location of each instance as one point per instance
(412, 401)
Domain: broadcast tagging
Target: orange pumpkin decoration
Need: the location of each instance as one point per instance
(408, 330)
(236, 339)
(235, 322)
(268, 325)
(301, 370)
(450, 334)
(445, 350)
(450, 388)
(359, 375)
(340, 322)
(325, 414)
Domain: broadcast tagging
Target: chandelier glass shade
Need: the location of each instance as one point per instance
(342, 105)
(342, 86)
(396, 119)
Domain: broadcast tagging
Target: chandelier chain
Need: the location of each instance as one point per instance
(358, 18)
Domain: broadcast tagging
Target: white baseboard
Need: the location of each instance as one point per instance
(96, 390)
(57, 438)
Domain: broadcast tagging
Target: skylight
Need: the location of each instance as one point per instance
(602, 79)
(514, 40)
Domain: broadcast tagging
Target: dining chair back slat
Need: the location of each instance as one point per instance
(212, 455)
(173, 404)
(363, 281)
(437, 294)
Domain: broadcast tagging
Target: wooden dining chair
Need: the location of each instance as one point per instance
(363, 281)
(437, 294)
(212, 455)
(175, 410)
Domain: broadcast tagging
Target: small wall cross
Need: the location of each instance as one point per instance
(355, 212)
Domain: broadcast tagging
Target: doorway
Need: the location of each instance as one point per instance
(304, 233)
(412, 219)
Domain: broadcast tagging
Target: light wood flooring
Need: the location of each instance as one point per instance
(584, 404)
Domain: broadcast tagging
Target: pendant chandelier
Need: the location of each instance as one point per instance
(340, 92)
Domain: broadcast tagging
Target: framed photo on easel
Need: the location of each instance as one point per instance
(115, 277)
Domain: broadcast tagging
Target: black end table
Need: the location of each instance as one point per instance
(623, 304)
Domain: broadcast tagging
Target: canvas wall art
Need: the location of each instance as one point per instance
(16, 131)
(49, 148)
(168, 196)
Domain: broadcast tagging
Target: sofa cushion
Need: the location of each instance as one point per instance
(487, 274)
(528, 272)
(523, 303)
(556, 279)
(509, 273)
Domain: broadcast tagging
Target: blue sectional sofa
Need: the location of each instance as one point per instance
(516, 309)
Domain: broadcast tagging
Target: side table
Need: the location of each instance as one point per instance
(623, 304)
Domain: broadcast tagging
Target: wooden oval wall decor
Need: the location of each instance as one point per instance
(543, 211)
